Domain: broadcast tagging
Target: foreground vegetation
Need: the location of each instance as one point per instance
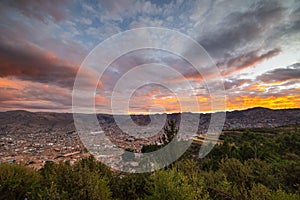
(250, 164)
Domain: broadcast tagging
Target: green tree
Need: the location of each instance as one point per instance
(174, 185)
(280, 194)
(169, 132)
(129, 186)
(18, 182)
(84, 180)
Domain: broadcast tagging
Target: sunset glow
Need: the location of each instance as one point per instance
(255, 46)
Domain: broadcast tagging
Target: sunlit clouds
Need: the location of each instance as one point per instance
(254, 44)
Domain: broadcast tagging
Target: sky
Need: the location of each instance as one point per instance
(255, 46)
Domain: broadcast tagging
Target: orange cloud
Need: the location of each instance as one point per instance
(9, 83)
(234, 103)
(100, 99)
(243, 102)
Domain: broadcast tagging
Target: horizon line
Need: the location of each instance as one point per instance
(168, 113)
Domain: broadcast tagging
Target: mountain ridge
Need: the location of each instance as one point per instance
(227, 111)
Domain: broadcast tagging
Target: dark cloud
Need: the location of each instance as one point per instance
(247, 60)
(240, 29)
(235, 64)
(28, 62)
(289, 73)
(295, 23)
(285, 32)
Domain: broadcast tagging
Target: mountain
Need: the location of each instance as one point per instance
(20, 121)
(259, 117)
(36, 137)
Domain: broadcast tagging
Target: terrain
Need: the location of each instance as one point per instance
(34, 138)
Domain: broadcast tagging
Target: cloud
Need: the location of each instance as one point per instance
(241, 30)
(290, 26)
(271, 101)
(247, 60)
(43, 43)
(119, 10)
(61, 38)
(232, 65)
(40, 10)
(22, 94)
(235, 83)
(281, 74)
(28, 62)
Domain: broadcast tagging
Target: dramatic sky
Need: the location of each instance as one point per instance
(254, 44)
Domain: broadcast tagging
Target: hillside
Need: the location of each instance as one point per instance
(34, 138)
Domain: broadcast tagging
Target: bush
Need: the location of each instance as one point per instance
(18, 182)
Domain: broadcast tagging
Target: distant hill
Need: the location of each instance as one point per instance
(36, 137)
(259, 117)
(20, 121)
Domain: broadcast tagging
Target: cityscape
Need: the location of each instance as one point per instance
(53, 137)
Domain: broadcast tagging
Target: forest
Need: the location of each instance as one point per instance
(249, 164)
